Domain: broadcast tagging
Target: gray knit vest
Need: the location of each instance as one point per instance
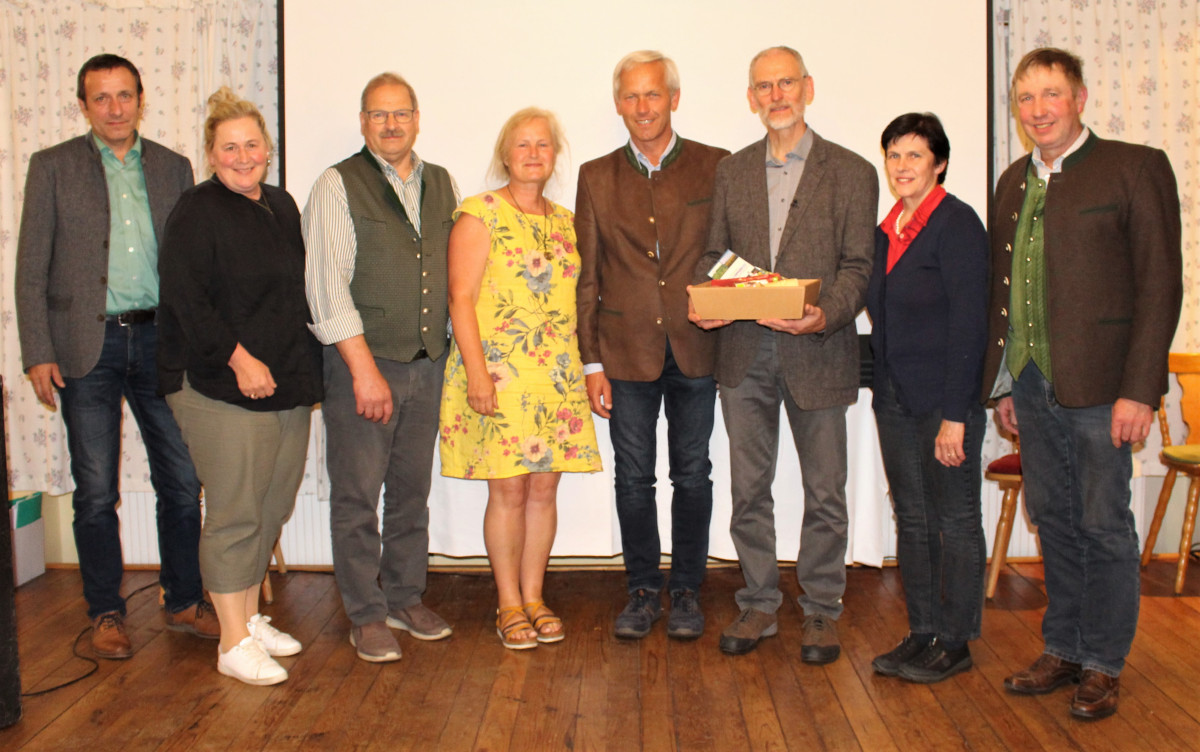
(399, 285)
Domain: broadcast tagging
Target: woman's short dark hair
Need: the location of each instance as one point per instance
(106, 61)
(927, 126)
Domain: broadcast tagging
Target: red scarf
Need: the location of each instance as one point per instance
(899, 243)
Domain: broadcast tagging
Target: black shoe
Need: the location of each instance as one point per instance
(643, 609)
(910, 647)
(687, 620)
(936, 663)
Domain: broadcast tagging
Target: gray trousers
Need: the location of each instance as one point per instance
(377, 573)
(251, 464)
(751, 413)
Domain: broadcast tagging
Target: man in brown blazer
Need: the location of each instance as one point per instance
(801, 206)
(1086, 290)
(641, 218)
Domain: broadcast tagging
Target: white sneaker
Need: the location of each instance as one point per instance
(248, 662)
(274, 642)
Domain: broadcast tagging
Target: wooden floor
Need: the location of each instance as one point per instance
(592, 691)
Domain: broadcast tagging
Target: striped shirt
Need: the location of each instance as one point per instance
(331, 247)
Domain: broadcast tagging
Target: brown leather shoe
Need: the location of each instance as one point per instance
(199, 619)
(743, 635)
(1097, 696)
(820, 644)
(1048, 673)
(108, 637)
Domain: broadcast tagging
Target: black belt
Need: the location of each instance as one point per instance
(423, 354)
(129, 318)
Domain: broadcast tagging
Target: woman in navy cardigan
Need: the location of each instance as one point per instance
(928, 304)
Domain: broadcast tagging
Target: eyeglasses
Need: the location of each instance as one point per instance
(379, 117)
(786, 85)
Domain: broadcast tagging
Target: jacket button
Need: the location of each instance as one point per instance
(99, 316)
(652, 220)
(650, 254)
(662, 283)
(103, 279)
(1006, 282)
(1008, 247)
(1000, 342)
(1014, 216)
(1004, 312)
(658, 321)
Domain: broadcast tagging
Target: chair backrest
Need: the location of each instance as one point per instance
(1186, 367)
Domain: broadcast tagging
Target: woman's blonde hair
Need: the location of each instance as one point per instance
(498, 171)
(225, 105)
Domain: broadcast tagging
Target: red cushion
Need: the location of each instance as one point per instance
(1009, 464)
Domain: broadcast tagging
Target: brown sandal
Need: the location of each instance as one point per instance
(541, 616)
(512, 619)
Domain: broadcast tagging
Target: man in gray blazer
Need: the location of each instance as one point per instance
(801, 206)
(87, 289)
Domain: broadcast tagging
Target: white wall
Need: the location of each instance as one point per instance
(474, 63)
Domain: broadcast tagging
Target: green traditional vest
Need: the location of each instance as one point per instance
(399, 285)
(1029, 338)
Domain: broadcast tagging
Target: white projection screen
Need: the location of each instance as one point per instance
(474, 63)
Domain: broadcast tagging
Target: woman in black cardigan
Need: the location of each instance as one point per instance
(928, 304)
(240, 371)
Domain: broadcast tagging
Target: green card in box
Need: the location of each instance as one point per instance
(28, 537)
(26, 509)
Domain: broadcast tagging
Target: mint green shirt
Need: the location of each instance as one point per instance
(132, 246)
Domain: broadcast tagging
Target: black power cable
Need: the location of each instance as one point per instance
(75, 651)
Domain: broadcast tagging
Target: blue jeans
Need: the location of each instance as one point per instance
(940, 545)
(1077, 493)
(91, 409)
(690, 408)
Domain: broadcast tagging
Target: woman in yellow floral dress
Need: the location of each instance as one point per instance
(514, 405)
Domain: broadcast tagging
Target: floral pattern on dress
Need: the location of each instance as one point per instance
(526, 314)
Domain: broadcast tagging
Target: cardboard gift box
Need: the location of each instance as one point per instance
(28, 537)
(717, 299)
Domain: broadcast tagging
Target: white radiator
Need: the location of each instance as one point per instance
(305, 538)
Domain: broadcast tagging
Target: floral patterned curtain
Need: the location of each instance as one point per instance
(1142, 68)
(185, 50)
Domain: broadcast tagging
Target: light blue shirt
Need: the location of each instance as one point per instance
(132, 245)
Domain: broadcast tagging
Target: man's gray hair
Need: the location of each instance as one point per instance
(779, 48)
(641, 57)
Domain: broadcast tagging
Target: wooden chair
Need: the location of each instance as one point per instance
(1006, 471)
(1179, 458)
(268, 593)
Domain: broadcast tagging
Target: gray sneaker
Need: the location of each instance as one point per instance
(743, 635)
(419, 622)
(820, 644)
(687, 620)
(644, 608)
(375, 643)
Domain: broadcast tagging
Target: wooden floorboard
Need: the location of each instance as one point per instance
(592, 691)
